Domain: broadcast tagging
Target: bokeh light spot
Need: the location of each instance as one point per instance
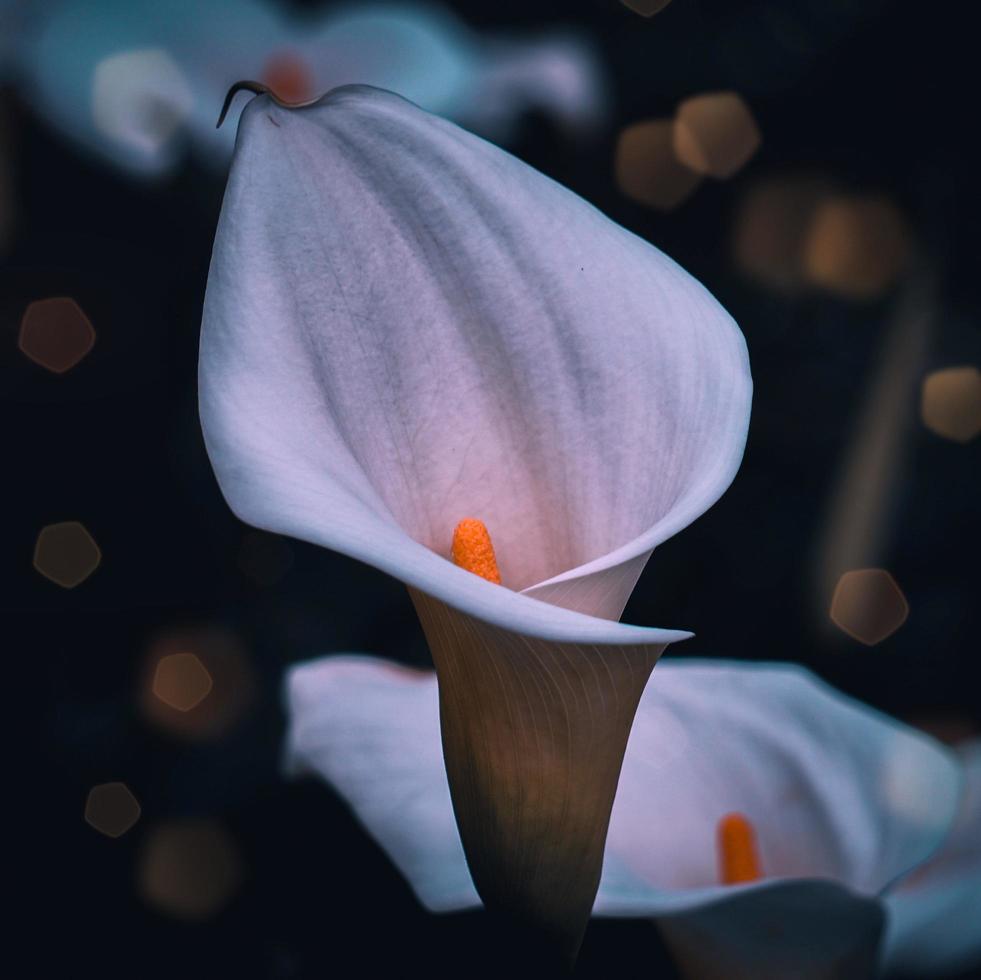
(868, 605)
(715, 133)
(951, 403)
(771, 227)
(181, 681)
(646, 8)
(857, 246)
(111, 809)
(197, 683)
(66, 553)
(289, 77)
(647, 169)
(55, 333)
(189, 869)
(140, 99)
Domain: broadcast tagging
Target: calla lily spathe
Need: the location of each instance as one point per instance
(405, 326)
(138, 83)
(845, 803)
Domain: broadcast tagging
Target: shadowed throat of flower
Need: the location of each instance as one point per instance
(738, 859)
(533, 736)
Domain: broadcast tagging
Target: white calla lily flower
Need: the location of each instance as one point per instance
(406, 327)
(844, 802)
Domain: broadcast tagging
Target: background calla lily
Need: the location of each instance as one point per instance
(934, 922)
(845, 802)
(138, 82)
(405, 326)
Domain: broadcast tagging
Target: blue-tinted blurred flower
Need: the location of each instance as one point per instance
(935, 915)
(405, 327)
(844, 802)
(138, 82)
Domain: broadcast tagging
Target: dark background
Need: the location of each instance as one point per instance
(877, 95)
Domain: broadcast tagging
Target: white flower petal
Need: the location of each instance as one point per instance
(826, 781)
(934, 916)
(801, 760)
(405, 326)
(371, 728)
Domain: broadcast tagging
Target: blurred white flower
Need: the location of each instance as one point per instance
(136, 82)
(799, 762)
(934, 923)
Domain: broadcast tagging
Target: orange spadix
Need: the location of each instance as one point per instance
(738, 859)
(473, 550)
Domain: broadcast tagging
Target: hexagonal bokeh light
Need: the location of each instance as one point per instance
(189, 869)
(858, 246)
(715, 133)
(647, 168)
(55, 333)
(66, 553)
(950, 403)
(868, 605)
(181, 681)
(771, 228)
(197, 683)
(111, 809)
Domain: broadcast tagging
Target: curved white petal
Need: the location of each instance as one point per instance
(405, 326)
(371, 728)
(834, 789)
(934, 916)
(825, 781)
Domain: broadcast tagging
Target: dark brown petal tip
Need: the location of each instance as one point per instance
(257, 88)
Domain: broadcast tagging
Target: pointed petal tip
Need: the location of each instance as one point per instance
(256, 88)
